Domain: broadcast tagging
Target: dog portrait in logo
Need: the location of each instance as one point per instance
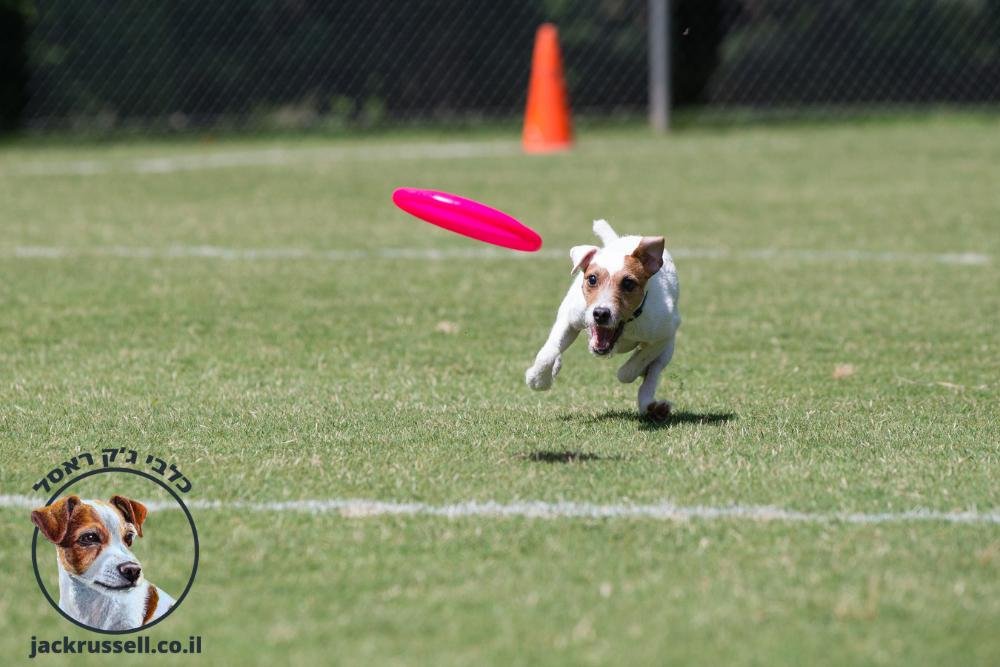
(102, 583)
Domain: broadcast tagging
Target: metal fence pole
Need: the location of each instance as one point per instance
(659, 65)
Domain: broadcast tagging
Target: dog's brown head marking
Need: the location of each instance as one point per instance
(581, 256)
(133, 511)
(79, 533)
(75, 528)
(625, 287)
(649, 253)
(53, 520)
(614, 285)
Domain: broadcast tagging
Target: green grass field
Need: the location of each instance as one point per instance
(384, 372)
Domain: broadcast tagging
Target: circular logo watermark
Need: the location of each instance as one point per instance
(124, 560)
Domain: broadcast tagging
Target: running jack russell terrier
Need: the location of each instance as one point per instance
(625, 296)
(100, 581)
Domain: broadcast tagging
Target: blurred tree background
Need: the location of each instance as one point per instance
(175, 64)
(14, 18)
(790, 52)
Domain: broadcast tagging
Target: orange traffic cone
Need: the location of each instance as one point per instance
(547, 125)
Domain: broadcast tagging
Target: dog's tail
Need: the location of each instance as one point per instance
(604, 232)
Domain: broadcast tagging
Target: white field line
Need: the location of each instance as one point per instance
(442, 254)
(359, 508)
(264, 157)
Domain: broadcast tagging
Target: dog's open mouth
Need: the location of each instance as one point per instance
(603, 339)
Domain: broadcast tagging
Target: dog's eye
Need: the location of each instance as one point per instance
(89, 539)
(592, 279)
(628, 284)
(128, 538)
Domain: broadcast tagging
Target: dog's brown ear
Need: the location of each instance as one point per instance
(581, 255)
(650, 253)
(53, 520)
(134, 511)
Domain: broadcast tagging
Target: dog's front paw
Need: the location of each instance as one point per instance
(658, 411)
(539, 378)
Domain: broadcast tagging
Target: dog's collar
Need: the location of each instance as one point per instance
(638, 311)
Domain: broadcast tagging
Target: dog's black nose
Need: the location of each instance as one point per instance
(602, 315)
(131, 571)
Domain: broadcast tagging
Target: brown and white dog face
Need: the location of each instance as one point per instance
(93, 539)
(614, 284)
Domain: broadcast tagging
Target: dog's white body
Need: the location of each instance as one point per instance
(109, 610)
(650, 336)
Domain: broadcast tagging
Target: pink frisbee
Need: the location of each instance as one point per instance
(467, 217)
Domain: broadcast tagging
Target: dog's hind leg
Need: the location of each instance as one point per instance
(648, 405)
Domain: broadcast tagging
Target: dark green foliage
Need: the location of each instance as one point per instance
(182, 63)
(788, 52)
(356, 62)
(13, 66)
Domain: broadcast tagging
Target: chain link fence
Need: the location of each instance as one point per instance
(175, 65)
(836, 53)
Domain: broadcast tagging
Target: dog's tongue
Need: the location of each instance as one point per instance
(601, 338)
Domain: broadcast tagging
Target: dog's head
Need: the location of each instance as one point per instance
(614, 281)
(93, 539)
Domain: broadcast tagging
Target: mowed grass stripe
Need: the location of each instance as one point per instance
(665, 511)
(263, 157)
(474, 253)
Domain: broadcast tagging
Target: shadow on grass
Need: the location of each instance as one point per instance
(646, 424)
(567, 456)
